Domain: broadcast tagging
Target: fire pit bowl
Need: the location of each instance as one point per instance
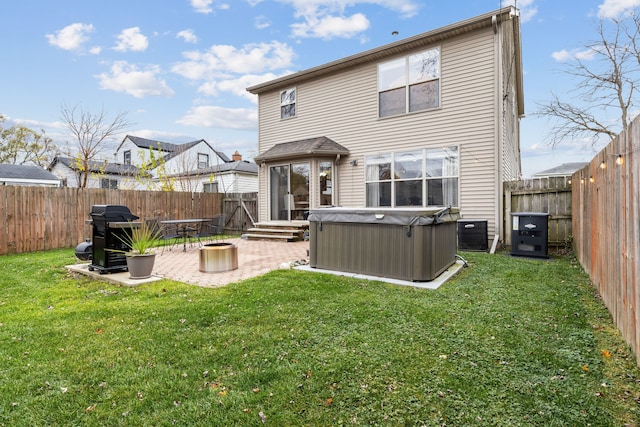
(218, 257)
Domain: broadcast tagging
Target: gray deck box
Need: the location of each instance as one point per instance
(414, 244)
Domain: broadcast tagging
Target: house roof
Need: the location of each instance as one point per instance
(238, 166)
(97, 166)
(320, 146)
(171, 149)
(411, 43)
(565, 169)
(25, 173)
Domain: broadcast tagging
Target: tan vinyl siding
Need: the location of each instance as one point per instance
(511, 131)
(344, 107)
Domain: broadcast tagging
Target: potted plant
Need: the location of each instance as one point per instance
(141, 240)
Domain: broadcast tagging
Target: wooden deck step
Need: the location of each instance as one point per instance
(277, 231)
(254, 236)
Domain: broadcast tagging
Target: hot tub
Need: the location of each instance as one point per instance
(415, 244)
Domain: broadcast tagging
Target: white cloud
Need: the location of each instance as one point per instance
(206, 6)
(71, 37)
(188, 36)
(220, 60)
(328, 27)
(238, 86)
(527, 8)
(261, 22)
(564, 55)
(616, 8)
(127, 78)
(218, 117)
(131, 39)
(327, 19)
(202, 6)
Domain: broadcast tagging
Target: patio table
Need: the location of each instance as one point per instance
(183, 227)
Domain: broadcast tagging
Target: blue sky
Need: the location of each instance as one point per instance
(180, 68)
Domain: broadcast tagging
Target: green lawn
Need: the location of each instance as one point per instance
(507, 342)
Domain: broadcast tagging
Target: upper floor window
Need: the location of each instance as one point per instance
(203, 160)
(288, 103)
(127, 157)
(409, 84)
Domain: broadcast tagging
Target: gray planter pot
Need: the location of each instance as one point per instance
(140, 266)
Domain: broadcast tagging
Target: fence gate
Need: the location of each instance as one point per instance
(240, 211)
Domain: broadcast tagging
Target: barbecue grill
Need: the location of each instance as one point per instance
(109, 226)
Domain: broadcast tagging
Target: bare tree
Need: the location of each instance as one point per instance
(90, 131)
(606, 89)
(20, 145)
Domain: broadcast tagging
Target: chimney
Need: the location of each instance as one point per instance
(237, 157)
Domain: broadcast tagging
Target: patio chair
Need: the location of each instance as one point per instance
(213, 227)
(169, 235)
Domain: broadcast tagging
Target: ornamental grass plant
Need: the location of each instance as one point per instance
(507, 342)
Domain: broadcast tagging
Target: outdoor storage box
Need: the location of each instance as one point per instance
(406, 244)
(472, 235)
(529, 234)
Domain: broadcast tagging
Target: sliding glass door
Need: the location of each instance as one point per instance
(289, 191)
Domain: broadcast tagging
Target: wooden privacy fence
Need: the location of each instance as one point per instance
(547, 195)
(606, 228)
(42, 218)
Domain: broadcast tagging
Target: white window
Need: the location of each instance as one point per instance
(420, 178)
(110, 184)
(288, 103)
(203, 161)
(127, 157)
(210, 187)
(409, 84)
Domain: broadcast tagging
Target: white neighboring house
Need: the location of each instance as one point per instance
(101, 174)
(235, 176)
(193, 166)
(27, 175)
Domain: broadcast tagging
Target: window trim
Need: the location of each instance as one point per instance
(210, 186)
(408, 83)
(112, 184)
(201, 157)
(288, 102)
(393, 178)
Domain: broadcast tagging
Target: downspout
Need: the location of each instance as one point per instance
(499, 203)
(335, 184)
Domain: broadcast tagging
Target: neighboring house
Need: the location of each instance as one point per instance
(27, 175)
(145, 164)
(101, 174)
(431, 120)
(565, 169)
(235, 176)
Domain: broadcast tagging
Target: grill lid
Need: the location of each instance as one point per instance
(111, 213)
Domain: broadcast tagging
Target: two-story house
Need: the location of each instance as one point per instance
(430, 120)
